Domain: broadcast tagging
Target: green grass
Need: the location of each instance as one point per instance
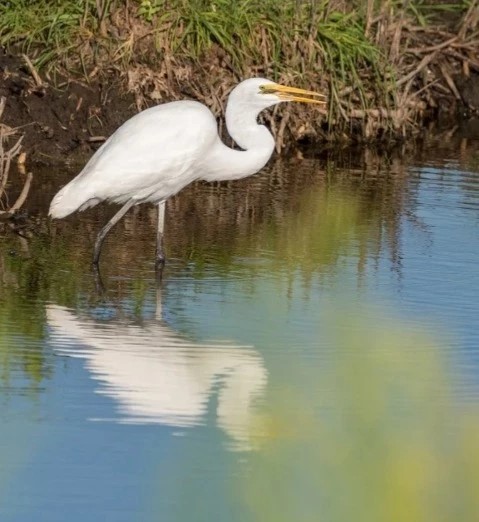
(290, 32)
(51, 27)
(324, 43)
(309, 40)
(427, 11)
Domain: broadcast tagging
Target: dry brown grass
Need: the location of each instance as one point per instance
(388, 94)
(383, 65)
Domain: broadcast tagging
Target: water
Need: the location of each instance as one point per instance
(315, 331)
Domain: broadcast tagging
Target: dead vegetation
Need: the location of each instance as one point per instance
(387, 66)
(385, 70)
(10, 150)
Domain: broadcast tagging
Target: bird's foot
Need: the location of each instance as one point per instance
(159, 266)
(160, 259)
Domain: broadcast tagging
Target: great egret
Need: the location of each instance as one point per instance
(157, 152)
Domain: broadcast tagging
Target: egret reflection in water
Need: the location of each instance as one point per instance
(156, 375)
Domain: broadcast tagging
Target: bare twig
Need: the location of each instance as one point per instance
(33, 71)
(470, 19)
(422, 64)
(6, 159)
(437, 47)
(474, 64)
(23, 195)
(450, 81)
(7, 154)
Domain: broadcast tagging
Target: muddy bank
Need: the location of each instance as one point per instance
(61, 120)
(66, 120)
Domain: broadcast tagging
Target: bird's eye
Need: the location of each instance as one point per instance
(267, 89)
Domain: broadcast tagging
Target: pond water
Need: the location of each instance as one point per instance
(311, 353)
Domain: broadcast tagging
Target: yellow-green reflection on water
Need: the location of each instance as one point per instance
(302, 214)
(369, 431)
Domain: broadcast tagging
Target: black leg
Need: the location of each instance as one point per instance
(99, 286)
(104, 231)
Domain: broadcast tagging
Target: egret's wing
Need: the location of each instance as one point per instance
(163, 146)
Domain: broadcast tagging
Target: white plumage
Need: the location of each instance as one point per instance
(159, 151)
(149, 158)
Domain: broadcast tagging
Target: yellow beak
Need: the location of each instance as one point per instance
(293, 93)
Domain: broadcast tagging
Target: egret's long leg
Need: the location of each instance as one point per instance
(100, 287)
(104, 231)
(160, 250)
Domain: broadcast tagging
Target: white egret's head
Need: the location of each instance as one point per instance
(260, 93)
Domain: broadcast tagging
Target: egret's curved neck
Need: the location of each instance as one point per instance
(255, 140)
(243, 127)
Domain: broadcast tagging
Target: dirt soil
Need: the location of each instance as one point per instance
(61, 120)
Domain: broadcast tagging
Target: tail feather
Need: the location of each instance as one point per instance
(70, 198)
